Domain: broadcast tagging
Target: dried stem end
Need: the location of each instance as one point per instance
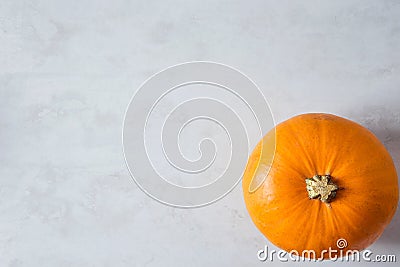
(321, 187)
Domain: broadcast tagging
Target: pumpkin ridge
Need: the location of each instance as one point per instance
(310, 163)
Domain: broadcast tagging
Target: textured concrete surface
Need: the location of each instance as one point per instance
(69, 68)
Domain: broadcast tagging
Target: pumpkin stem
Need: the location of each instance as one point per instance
(321, 187)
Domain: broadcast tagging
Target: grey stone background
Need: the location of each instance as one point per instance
(69, 68)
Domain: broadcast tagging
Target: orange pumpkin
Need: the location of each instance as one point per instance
(329, 179)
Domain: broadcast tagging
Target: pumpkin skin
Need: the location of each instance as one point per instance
(320, 144)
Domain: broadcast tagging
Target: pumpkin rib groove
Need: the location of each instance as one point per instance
(314, 224)
(310, 166)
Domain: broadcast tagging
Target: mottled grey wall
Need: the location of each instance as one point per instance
(69, 68)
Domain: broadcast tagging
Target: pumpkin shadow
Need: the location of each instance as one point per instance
(390, 137)
(391, 235)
